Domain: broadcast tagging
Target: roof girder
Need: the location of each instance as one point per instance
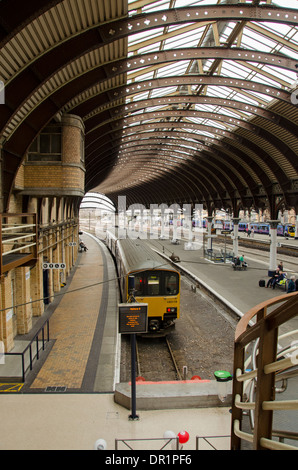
(56, 101)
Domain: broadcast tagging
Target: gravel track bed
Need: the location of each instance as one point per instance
(203, 341)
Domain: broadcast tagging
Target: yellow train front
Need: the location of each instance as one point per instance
(156, 282)
(160, 289)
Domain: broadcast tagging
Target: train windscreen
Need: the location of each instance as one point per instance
(152, 284)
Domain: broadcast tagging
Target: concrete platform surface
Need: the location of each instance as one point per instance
(77, 421)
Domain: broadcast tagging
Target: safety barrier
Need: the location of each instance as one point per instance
(44, 331)
(213, 255)
(215, 445)
(166, 443)
(18, 240)
(272, 358)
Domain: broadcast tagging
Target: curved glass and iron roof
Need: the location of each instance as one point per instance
(96, 201)
(182, 101)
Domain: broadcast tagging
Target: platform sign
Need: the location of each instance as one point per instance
(133, 318)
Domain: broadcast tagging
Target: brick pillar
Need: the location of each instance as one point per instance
(56, 259)
(60, 255)
(6, 316)
(36, 288)
(24, 311)
(50, 260)
(66, 251)
(76, 248)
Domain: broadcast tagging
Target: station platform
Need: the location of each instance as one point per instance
(68, 401)
(239, 290)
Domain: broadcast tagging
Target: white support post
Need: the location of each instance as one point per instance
(235, 221)
(209, 227)
(273, 246)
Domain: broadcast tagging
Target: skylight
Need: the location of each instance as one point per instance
(262, 36)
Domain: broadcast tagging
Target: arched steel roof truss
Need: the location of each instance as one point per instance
(215, 122)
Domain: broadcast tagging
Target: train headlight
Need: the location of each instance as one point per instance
(154, 325)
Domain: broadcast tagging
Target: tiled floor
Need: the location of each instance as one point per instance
(73, 324)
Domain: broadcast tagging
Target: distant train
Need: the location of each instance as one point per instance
(283, 230)
(156, 282)
(286, 230)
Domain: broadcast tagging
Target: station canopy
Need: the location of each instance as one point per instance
(99, 202)
(183, 101)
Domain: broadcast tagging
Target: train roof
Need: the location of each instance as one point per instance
(137, 256)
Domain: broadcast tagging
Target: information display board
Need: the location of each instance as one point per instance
(133, 318)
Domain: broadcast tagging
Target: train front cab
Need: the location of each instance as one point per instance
(289, 230)
(160, 289)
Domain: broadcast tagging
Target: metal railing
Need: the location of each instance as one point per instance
(215, 445)
(214, 255)
(171, 443)
(18, 240)
(39, 342)
(260, 362)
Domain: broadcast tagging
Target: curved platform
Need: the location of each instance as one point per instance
(75, 384)
(83, 353)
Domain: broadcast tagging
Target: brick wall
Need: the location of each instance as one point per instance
(66, 177)
(44, 185)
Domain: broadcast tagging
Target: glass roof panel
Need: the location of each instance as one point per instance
(265, 37)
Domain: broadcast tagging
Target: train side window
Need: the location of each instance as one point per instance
(171, 283)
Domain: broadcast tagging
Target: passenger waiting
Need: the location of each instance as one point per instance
(291, 285)
(236, 261)
(243, 263)
(277, 276)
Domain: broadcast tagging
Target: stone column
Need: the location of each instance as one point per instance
(151, 229)
(56, 259)
(6, 315)
(273, 246)
(36, 288)
(24, 310)
(175, 220)
(163, 219)
(235, 221)
(188, 216)
(209, 227)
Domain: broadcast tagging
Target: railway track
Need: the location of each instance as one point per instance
(156, 360)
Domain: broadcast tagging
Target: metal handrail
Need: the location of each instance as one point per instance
(165, 440)
(19, 249)
(29, 347)
(6, 227)
(205, 438)
(17, 236)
